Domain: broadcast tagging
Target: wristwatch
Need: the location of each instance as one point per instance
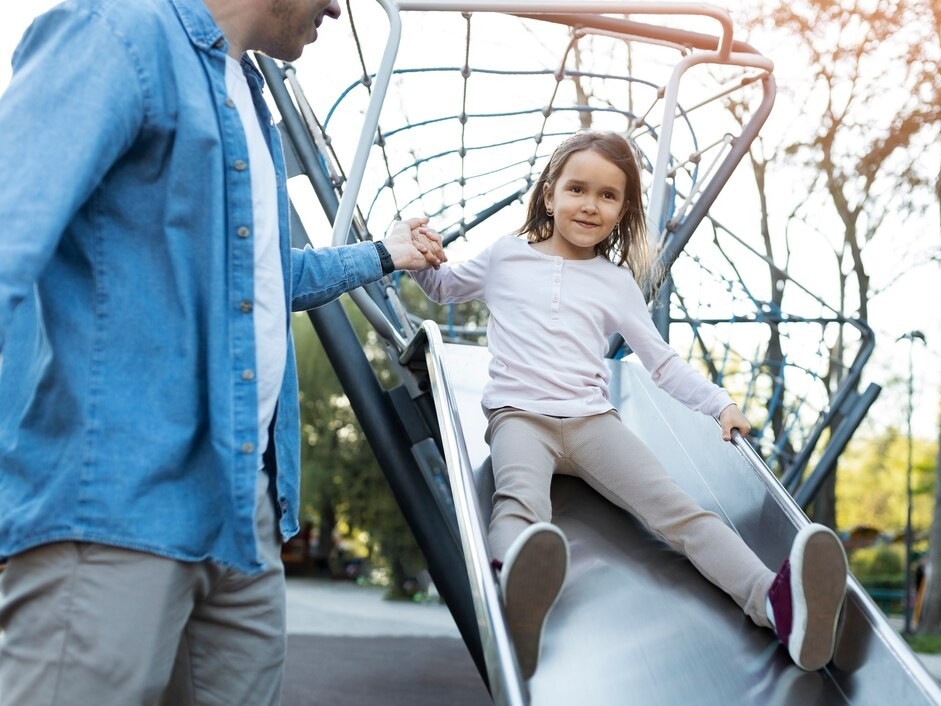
(385, 259)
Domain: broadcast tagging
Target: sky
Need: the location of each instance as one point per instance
(905, 308)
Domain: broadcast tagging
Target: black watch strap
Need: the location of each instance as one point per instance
(385, 259)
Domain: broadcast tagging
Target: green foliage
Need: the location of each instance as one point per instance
(879, 570)
(871, 483)
(924, 643)
(878, 565)
(342, 487)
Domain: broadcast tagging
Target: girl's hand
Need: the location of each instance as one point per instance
(732, 418)
(430, 239)
(413, 247)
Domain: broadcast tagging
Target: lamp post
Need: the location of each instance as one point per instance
(911, 337)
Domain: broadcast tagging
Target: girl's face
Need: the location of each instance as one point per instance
(587, 201)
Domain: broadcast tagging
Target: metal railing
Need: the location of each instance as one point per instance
(861, 600)
(506, 683)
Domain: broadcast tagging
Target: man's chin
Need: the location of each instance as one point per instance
(286, 53)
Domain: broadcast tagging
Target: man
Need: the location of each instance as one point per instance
(148, 396)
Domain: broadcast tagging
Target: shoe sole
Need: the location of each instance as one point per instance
(818, 587)
(532, 587)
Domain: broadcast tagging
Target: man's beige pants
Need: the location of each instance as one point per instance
(92, 625)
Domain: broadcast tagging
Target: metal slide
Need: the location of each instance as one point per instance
(636, 623)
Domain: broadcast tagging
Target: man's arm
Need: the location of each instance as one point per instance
(73, 106)
(320, 276)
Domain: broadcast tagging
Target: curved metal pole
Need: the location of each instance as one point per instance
(678, 239)
(655, 206)
(341, 226)
(506, 683)
(621, 8)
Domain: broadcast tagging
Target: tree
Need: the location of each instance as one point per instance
(872, 481)
(868, 114)
(762, 157)
(341, 482)
(931, 612)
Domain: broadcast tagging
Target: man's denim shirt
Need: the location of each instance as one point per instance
(127, 416)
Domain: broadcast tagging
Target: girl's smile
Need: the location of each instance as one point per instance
(586, 202)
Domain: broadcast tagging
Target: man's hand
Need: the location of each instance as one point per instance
(413, 247)
(732, 418)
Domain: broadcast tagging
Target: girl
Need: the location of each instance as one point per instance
(555, 299)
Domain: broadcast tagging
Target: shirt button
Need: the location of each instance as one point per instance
(229, 103)
(240, 165)
(243, 232)
(248, 375)
(248, 447)
(246, 306)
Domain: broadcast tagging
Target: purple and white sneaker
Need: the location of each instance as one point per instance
(806, 597)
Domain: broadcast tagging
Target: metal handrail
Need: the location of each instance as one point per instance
(506, 683)
(864, 603)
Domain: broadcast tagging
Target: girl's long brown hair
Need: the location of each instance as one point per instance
(627, 244)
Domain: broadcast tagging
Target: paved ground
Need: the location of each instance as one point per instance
(349, 647)
(325, 607)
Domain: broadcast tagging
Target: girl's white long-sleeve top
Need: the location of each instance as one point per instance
(550, 321)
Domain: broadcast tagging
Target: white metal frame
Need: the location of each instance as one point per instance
(723, 54)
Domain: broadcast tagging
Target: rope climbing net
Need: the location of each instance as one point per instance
(478, 101)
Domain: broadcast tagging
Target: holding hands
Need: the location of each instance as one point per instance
(414, 247)
(732, 418)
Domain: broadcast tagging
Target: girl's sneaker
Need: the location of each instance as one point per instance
(806, 597)
(531, 579)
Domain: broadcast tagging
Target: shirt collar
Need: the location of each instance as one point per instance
(204, 33)
(199, 24)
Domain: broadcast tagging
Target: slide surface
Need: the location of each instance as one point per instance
(637, 624)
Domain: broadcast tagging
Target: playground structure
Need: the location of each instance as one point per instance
(461, 138)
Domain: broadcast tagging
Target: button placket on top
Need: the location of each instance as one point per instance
(556, 287)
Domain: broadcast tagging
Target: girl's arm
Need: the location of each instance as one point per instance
(670, 372)
(455, 284)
